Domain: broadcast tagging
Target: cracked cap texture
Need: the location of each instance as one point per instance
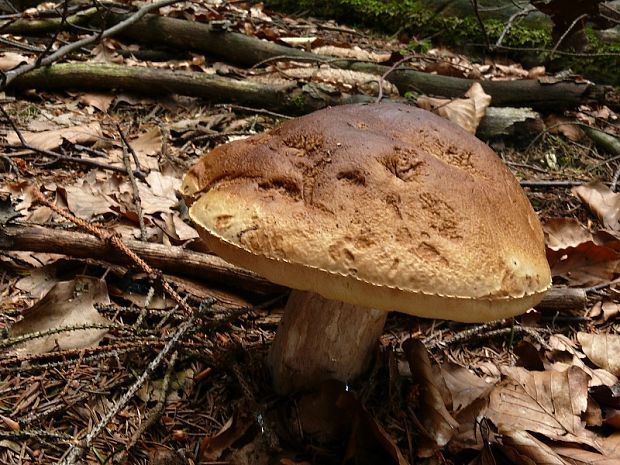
(383, 205)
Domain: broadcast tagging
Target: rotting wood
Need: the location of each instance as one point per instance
(520, 125)
(169, 259)
(183, 262)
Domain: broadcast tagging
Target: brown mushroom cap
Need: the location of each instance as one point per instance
(383, 205)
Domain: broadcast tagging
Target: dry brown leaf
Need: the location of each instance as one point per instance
(611, 445)
(40, 280)
(601, 312)
(148, 143)
(609, 456)
(446, 68)
(68, 303)
(467, 113)
(536, 72)
(512, 70)
(160, 193)
(562, 233)
(48, 140)
(588, 264)
(549, 403)
(564, 126)
(522, 448)
(602, 201)
(464, 386)
(212, 447)
(10, 60)
(481, 100)
(84, 201)
(567, 355)
(469, 435)
(602, 349)
(434, 415)
(298, 41)
(99, 101)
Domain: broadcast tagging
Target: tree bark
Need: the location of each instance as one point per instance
(320, 339)
(562, 299)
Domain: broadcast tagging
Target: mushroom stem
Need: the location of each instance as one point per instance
(320, 339)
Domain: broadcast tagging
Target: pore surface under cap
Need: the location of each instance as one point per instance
(382, 205)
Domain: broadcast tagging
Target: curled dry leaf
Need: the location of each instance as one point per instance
(434, 415)
(212, 447)
(343, 79)
(602, 201)
(96, 100)
(562, 233)
(148, 143)
(548, 403)
(602, 349)
(610, 454)
(523, 448)
(68, 303)
(10, 60)
(601, 312)
(564, 126)
(48, 140)
(464, 386)
(566, 355)
(579, 256)
(467, 113)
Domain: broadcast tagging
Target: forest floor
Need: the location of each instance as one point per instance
(98, 363)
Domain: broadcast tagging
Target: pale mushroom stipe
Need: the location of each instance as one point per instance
(368, 206)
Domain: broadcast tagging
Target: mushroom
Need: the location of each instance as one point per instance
(363, 209)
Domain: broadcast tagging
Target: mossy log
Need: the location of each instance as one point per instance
(288, 99)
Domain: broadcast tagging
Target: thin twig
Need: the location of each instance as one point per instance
(524, 12)
(50, 44)
(545, 184)
(154, 414)
(134, 185)
(58, 156)
(116, 241)
(563, 36)
(481, 23)
(389, 71)
(262, 111)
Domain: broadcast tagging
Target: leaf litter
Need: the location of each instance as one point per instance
(467, 404)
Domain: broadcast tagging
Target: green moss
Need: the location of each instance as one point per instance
(297, 103)
(392, 16)
(599, 62)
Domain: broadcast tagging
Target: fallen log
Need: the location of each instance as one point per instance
(183, 262)
(242, 50)
(169, 259)
(288, 99)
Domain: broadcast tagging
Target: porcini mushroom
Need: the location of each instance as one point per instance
(362, 209)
